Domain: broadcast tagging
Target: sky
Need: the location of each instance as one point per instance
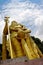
(26, 12)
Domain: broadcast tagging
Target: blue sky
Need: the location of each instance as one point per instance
(27, 12)
(6, 1)
(2, 2)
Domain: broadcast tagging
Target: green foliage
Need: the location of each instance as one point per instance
(42, 42)
(0, 48)
(39, 43)
(0, 51)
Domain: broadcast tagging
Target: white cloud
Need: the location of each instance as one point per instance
(1, 29)
(27, 13)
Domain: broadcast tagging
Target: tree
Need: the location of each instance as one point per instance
(42, 42)
(0, 51)
(39, 43)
